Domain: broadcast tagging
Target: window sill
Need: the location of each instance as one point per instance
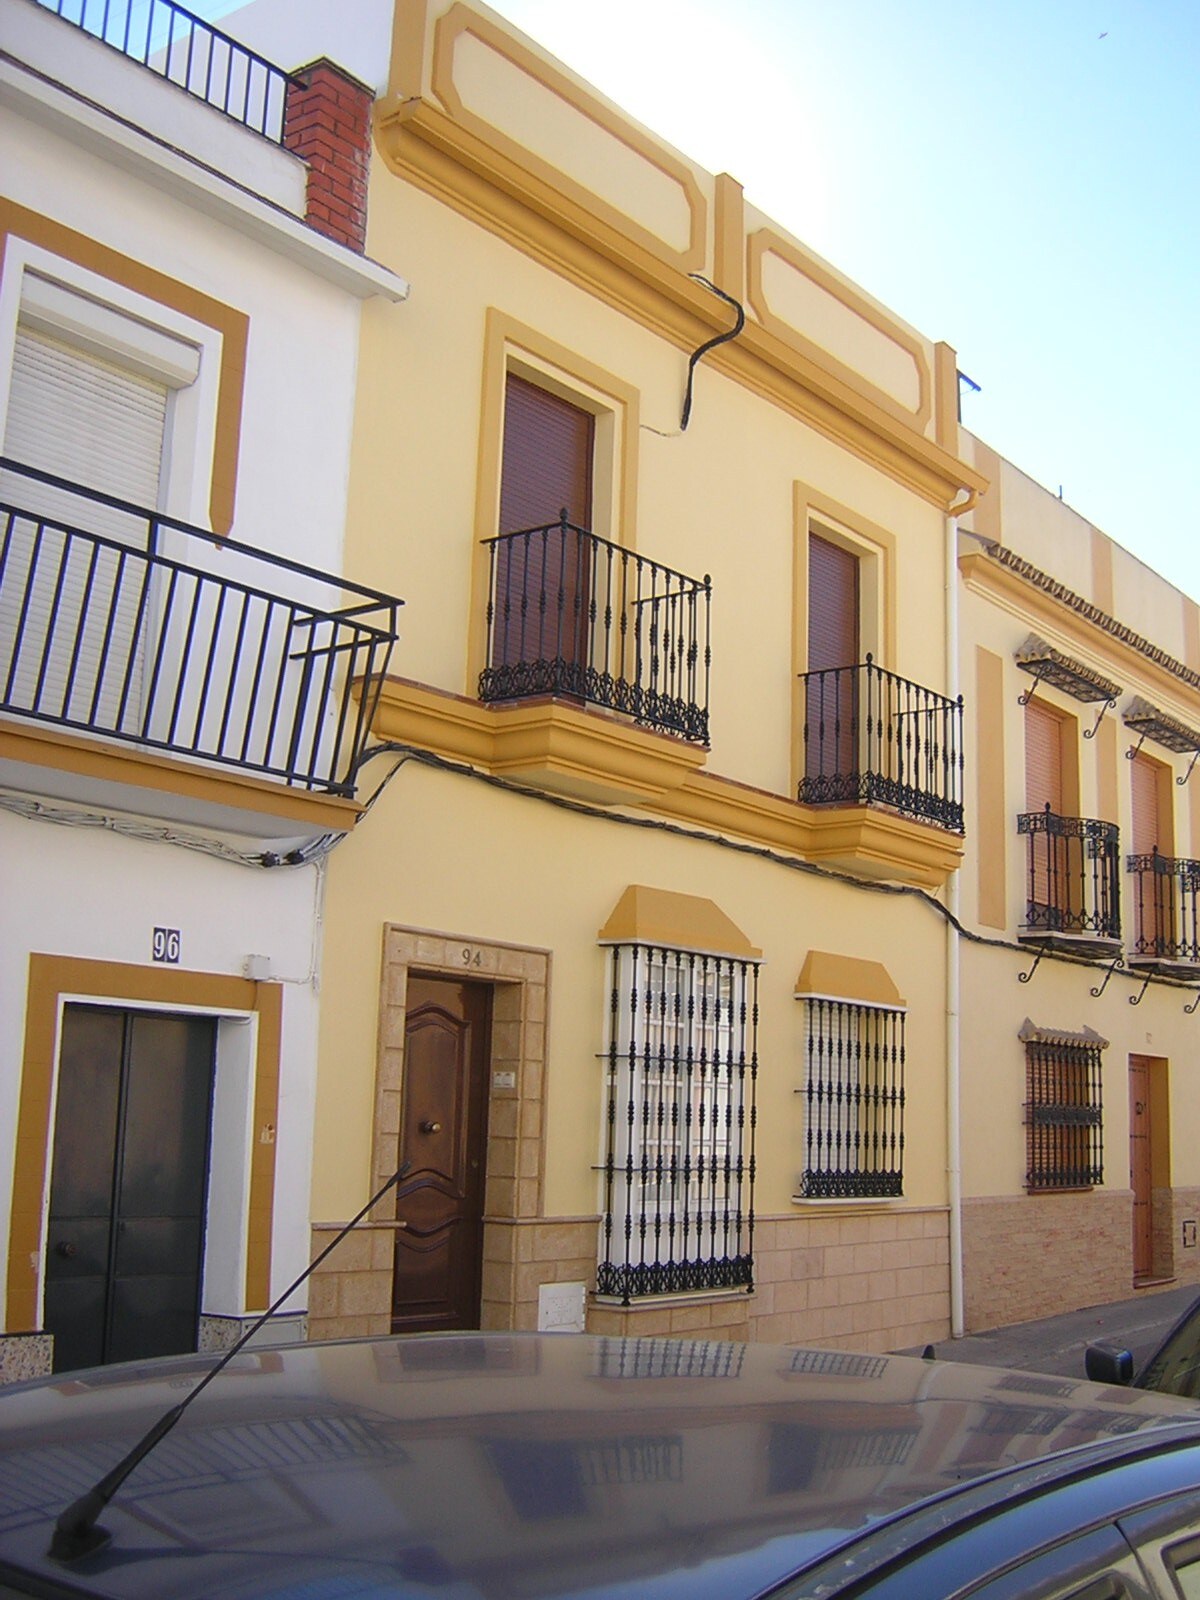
(657, 1302)
(856, 1202)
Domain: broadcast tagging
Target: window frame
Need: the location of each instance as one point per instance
(834, 1025)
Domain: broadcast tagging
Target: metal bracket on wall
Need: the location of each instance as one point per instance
(1090, 733)
(1024, 977)
(1097, 992)
(1195, 757)
(1027, 696)
(1188, 1010)
(1136, 999)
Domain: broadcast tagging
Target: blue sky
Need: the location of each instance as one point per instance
(1018, 177)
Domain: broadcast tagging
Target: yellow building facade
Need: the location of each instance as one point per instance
(1079, 1107)
(644, 964)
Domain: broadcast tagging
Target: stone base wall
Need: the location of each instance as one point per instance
(1036, 1255)
(25, 1355)
(350, 1294)
(1184, 1213)
(874, 1281)
(216, 1334)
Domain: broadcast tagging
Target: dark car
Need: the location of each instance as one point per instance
(515, 1467)
(1174, 1368)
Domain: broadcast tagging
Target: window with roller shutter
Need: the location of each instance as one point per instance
(831, 697)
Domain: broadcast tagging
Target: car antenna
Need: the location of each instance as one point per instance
(76, 1532)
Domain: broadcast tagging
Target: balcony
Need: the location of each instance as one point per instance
(1166, 914)
(872, 738)
(140, 630)
(1073, 896)
(181, 47)
(575, 617)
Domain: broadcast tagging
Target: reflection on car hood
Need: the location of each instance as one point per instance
(506, 1465)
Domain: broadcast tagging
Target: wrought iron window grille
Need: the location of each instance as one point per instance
(679, 1162)
(201, 59)
(854, 1100)
(871, 737)
(1073, 879)
(577, 616)
(163, 635)
(1064, 1118)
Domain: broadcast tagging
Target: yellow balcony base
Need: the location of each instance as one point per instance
(872, 842)
(546, 743)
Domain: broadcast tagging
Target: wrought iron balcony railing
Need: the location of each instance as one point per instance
(873, 738)
(574, 615)
(1166, 909)
(181, 47)
(1073, 887)
(119, 621)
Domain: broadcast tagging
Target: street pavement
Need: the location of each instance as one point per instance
(1057, 1344)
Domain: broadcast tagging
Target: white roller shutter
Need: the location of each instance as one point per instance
(70, 604)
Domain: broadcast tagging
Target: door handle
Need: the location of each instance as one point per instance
(431, 1127)
(67, 1249)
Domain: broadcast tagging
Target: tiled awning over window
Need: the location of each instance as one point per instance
(1064, 672)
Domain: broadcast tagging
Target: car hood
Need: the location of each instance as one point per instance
(509, 1465)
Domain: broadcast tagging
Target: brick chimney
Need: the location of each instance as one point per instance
(327, 123)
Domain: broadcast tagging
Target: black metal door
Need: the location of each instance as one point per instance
(129, 1184)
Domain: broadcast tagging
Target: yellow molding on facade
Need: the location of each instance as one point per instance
(55, 978)
(765, 242)
(231, 324)
(664, 917)
(838, 977)
(546, 743)
(538, 175)
(729, 237)
(551, 745)
(103, 762)
(1026, 600)
(945, 396)
(424, 145)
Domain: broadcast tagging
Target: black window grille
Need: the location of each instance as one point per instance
(853, 1101)
(679, 1161)
(1064, 1121)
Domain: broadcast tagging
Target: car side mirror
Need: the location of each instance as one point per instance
(1108, 1363)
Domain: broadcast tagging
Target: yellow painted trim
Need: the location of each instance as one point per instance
(675, 921)
(231, 324)
(423, 146)
(50, 979)
(945, 389)
(539, 178)
(615, 762)
(765, 242)
(513, 346)
(729, 237)
(544, 742)
(875, 547)
(406, 71)
(847, 977)
(1025, 600)
(1104, 754)
(991, 822)
(105, 762)
(1102, 571)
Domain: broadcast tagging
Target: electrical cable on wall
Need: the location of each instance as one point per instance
(699, 353)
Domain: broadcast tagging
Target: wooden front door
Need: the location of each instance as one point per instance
(443, 1133)
(831, 699)
(544, 575)
(129, 1184)
(1140, 1167)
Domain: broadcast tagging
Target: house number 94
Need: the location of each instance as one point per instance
(471, 957)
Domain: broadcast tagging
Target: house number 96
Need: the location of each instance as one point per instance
(471, 958)
(166, 945)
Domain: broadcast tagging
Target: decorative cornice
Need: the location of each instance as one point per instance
(1100, 619)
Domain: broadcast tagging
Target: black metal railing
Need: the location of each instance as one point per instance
(679, 1163)
(1166, 908)
(853, 1101)
(1073, 885)
(119, 621)
(574, 615)
(178, 45)
(1064, 1115)
(873, 738)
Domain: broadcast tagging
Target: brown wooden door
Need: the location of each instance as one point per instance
(543, 578)
(1140, 1169)
(443, 1132)
(831, 708)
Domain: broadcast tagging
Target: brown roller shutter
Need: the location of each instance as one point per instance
(831, 699)
(1043, 760)
(832, 605)
(1153, 897)
(544, 577)
(1146, 832)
